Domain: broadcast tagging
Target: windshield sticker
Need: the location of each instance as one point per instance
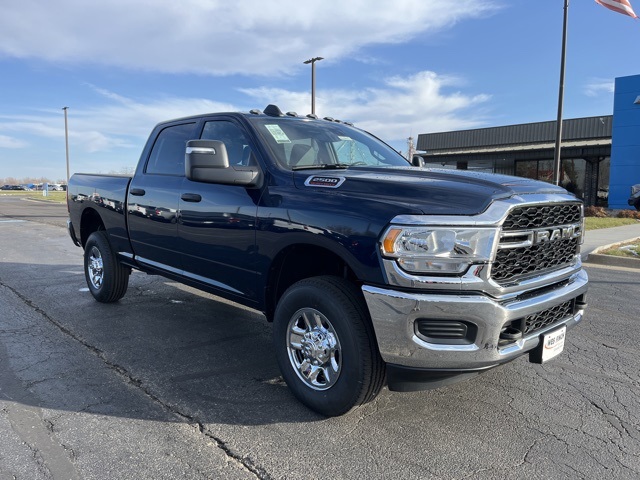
(345, 139)
(322, 181)
(278, 134)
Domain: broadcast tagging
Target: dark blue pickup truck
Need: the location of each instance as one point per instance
(372, 270)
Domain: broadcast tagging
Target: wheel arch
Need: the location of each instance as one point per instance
(90, 221)
(303, 260)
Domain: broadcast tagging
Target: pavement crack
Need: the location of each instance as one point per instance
(612, 419)
(247, 463)
(244, 462)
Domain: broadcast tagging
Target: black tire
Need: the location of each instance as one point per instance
(106, 277)
(637, 204)
(336, 365)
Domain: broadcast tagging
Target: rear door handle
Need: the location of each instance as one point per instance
(138, 192)
(191, 197)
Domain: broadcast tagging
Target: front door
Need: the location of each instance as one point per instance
(217, 223)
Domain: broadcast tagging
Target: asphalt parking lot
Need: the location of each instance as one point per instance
(173, 383)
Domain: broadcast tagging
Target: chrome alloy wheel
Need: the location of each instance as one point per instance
(95, 268)
(314, 349)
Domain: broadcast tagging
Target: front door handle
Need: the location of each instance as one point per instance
(191, 197)
(138, 192)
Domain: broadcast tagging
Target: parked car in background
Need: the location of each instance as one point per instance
(603, 193)
(634, 199)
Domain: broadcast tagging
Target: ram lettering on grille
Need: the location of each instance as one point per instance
(554, 237)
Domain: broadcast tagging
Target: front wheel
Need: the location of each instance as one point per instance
(326, 347)
(107, 278)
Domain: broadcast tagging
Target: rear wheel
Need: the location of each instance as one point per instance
(107, 278)
(637, 204)
(326, 347)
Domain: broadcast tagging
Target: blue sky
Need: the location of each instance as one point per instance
(395, 68)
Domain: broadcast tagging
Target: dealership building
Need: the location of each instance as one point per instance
(600, 156)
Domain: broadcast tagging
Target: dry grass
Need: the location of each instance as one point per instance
(595, 223)
(57, 197)
(629, 250)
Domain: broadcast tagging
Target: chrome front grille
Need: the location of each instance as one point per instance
(536, 240)
(537, 321)
(542, 216)
(521, 262)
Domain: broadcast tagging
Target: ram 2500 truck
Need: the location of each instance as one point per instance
(372, 270)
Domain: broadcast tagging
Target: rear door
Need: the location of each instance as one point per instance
(153, 199)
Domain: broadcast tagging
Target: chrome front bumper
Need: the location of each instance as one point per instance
(394, 314)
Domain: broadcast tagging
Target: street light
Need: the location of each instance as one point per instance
(66, 140)
(313, 61)
(557, 157)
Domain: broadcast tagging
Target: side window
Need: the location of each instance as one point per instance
(167, 154)
(234, 140)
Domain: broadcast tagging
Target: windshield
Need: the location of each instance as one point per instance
(305, 144)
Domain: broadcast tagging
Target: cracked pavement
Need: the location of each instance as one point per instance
(173, 383)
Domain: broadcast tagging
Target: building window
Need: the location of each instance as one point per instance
(572, 175)
(527, 169)
(504, 166)
(604, 166)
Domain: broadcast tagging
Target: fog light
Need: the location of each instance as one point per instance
(448, 332)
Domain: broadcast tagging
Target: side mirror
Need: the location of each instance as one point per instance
(417, 161)
(207, 161)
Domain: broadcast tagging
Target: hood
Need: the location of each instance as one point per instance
(422, 190)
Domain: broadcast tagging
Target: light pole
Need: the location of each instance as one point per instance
(313, 61)
(557, 157)
(66, 140)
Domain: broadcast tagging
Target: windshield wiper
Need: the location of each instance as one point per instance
(322, 166)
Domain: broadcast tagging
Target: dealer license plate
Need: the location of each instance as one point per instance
(553, 343)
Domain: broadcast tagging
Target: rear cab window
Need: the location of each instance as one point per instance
(167, 154)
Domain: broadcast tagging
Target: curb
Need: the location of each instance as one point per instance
(610, 260)
(600, 259)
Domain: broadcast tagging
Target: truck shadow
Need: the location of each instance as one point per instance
(196, 356)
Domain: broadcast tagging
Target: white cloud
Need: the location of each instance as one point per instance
(599, 86)
(10, 142)
(400, 106)
(109, 134)
(403, 106)
(119, 122)
(218, 37)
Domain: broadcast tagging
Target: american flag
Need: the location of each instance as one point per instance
(620, 6)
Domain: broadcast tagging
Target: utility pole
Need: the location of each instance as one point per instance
(66, 140)
(411, 149)
(557, 157)
(313, 61)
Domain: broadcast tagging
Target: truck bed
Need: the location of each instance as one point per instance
(106, 197)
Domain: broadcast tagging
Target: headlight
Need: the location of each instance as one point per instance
(438, 249)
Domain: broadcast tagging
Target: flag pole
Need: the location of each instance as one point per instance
(556, 156)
